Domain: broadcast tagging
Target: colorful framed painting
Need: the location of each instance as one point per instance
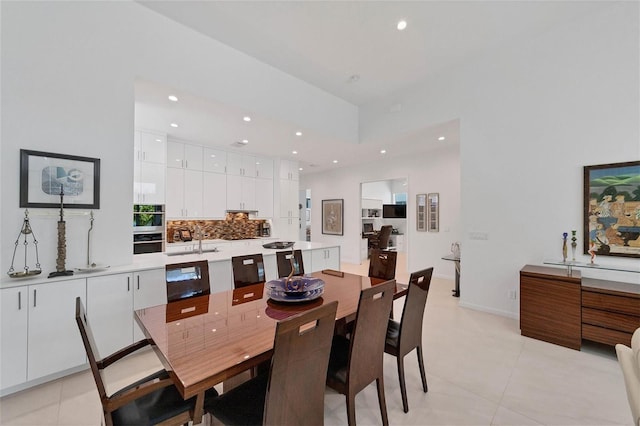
(45, 175)
(612, 209)
(332, 217)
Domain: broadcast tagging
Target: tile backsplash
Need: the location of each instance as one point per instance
(236, 226)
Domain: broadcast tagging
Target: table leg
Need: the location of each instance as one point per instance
(198, 410)
(456, 291)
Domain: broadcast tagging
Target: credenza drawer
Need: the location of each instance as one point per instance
(620, 304)
(605, 335)
(612, 320)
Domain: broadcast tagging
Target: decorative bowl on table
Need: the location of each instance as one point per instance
(295, 289)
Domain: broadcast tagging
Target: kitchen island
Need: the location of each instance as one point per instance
(40, 341)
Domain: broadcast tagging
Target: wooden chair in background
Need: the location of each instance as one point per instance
(247, 270)
(284, 263)
(382, 264)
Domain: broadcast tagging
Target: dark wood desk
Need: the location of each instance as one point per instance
(205, 340)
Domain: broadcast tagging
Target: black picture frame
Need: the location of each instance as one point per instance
(611, 223)
(44, 174)
(333, 217)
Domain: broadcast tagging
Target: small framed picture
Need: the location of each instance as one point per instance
(45, 176)
(433, 210)
(332, 217)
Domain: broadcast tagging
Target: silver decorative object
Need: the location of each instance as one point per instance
(25, 231)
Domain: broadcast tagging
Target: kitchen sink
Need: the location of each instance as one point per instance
(182, 253)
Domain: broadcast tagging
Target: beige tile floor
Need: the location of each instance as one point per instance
(480, 371)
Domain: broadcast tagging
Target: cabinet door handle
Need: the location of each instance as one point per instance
(144, 155)
(186, 164)
(128, 284)
(19, 300)
(34, 297)
(138, 282)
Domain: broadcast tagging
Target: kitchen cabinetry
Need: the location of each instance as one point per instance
(289, 170)
(241, 165)
(264, 168)
(327, 258)
(241, 192)
(264, 197)
(214, 160)
(184, 156)
(220, 276)
(111, 300)
(184, 193)
(149, 168)
(13, 340)
(214, 195)
(54, 342)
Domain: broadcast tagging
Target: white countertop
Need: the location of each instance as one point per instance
(142, 262)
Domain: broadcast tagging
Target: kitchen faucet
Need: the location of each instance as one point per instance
(198, 232)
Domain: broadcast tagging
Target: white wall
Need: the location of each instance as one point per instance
(531, 116)
(378, 190)
(68, 70)
(437, 171)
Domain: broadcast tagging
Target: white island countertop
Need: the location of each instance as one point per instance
(142, 262)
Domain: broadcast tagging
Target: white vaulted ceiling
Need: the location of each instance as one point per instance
(325, 43)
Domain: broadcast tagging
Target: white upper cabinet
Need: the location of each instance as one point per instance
(149, 168)
(264, 197)
(264, 168)
(215, 160)
(241, 165)
(184, 156)
(289, 170)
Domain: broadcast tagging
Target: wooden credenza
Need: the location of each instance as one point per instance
(565, 309)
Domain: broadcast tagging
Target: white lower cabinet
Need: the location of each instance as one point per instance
(54, 342)
(220, 276)
(13, 340)
(111, 300)
(327, 258)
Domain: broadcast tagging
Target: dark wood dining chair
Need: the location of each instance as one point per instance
(382, 264)
(149, 401)
(382, 240)
(284, 263)
(185, 280)
(292, 391)
(247, 270)
(355, 362)
(405, 336)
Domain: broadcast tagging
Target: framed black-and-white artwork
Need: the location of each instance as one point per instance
(45, 175)
(332, 217)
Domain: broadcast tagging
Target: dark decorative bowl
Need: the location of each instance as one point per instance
(279, 245)
(298, 289)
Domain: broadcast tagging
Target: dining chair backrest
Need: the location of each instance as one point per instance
(382, 264)
(247, 270)
(188, 279)
(90, 347)
(367, 340)
(629, 360)
(295, 393)
(413, 311)
(284, 262)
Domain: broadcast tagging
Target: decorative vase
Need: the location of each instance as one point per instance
(574, 245)
(564, 246)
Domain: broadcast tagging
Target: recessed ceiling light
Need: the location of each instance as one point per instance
(298, 133)
(173, 98)
(294, 152)
(383, 151)
(245, 141)
(441, 138)
(213, 156)
(246, 118)
(402, 24)
(174, 125)
(158, 140)
(257, 163)
(335, 161)
(354, 78)
(300, 168)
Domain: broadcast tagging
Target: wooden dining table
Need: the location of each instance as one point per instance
(205, 340)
